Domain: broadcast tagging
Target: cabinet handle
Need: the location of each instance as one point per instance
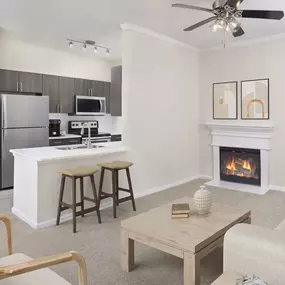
(57, 108)
(61, 108)
(91, 93)
(17, 86)
(21, 86)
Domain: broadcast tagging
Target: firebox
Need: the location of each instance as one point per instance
(240, 165)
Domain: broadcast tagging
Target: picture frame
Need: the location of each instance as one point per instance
(225, 100)
(255, 100)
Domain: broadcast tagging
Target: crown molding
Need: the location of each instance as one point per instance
(244, 43)
(141, 30)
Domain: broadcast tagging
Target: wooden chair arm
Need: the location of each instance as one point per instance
(6, 220)
(39, 263)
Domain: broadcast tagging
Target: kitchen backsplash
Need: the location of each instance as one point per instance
(107, 123)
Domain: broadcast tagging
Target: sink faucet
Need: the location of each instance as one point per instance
(88, 141)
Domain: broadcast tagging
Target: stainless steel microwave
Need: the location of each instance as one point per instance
(89, 105)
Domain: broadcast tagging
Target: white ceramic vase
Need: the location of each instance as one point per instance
(202, 200)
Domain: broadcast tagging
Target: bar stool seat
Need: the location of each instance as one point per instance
(74, 174)
(79, 172)
(115, 167)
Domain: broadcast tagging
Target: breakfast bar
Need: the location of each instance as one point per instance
(37, 183)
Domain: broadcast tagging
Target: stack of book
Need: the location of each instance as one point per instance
(180, 211)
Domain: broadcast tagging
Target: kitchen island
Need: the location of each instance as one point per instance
(37, 183)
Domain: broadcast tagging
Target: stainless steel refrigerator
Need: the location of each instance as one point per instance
(24, 124)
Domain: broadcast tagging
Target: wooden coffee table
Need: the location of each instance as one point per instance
(190, 239)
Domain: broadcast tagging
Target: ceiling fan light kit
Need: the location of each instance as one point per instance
(226, 14)
(87, 43)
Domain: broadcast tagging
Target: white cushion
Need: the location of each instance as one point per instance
(39, 277)
(281, 226)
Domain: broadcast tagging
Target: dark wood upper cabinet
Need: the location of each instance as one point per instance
(116, 91)
(30, 82)
(66, 94)
(99, 88)
(51, 88)
(82, 87)
(9, 80)
(106, 94)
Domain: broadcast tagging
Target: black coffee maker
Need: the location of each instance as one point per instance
(54, 128)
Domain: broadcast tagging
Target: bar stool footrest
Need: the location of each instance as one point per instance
(65, 206)
(105, 195)
(124, 189)
(89, 199)
(86, 211)
(125, 199)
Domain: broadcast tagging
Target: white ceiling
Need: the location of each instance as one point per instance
(50, 22)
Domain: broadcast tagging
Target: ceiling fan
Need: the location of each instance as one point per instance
(226, 14)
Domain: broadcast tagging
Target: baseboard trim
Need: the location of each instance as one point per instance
(277, 188)
(167, 186)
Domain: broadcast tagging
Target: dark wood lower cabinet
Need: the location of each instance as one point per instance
(64, 141)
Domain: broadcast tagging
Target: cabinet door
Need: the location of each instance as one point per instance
(82, 87)
(31, 82)
(51, 89)
(97, 88)
(8, 80)
(106, 94)
(116, 91)
(66, 94)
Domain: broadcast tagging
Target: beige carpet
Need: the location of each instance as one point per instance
(100, 244)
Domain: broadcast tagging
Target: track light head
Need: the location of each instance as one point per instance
(107, 51)
(71, 45)
(84, 47)
(95, 49)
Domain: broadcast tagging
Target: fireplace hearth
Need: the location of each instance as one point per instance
(240, 165)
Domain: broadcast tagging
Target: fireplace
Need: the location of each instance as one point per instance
(240, 165)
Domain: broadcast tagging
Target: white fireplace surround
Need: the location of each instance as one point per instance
(238, 134)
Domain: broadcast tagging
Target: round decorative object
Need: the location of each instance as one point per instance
(202, 200)
(221, 101)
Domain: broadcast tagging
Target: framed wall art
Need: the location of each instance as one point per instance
(255, 99)
(225, 101)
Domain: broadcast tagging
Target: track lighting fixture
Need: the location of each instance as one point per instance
(85, 44)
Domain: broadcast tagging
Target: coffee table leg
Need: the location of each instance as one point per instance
(127, 251)
(191, 269)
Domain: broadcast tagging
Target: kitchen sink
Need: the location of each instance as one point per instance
(74, 147)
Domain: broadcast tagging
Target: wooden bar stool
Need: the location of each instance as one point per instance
(114, 167)
(74, 174)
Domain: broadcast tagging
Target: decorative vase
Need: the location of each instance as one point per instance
(202, 200)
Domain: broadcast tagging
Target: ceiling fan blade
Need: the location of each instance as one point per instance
(192, 7)
(191, 28)
(238, 32)
(262, 14)
(234, 3)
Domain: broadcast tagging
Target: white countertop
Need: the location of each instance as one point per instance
(67, 136)
(42, 154)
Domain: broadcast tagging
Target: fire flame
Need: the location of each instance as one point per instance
(246, 165)
(232, 165)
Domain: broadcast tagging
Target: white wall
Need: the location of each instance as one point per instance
(160, 106)
(16, 54)
(264, 60)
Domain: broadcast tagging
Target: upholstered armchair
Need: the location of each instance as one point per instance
(18, 269)
(253, 250)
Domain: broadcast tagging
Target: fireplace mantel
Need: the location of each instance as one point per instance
(241, 134)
